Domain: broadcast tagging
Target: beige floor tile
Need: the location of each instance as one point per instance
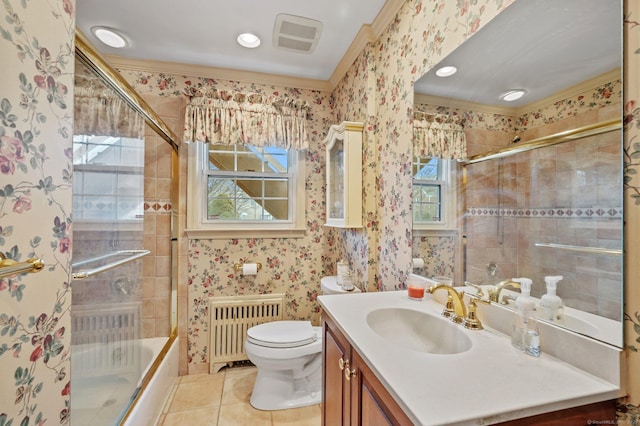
(204, 392)
(200, 417)
(203, 377)
(243, 415)
(238, 385)
(304, 416)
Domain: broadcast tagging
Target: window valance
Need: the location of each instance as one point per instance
(99, 111)
(439, 136)
(226, 117)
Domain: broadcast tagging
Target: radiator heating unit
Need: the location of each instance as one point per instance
(230, 318)
(105, 340)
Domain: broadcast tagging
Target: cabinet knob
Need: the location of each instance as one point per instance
(349, 373)
(342, 363)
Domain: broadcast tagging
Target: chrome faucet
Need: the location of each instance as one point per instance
(455, 308)
(494, 294)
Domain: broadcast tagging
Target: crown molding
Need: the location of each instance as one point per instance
(367, 34)
(419, 98)
(216, 73)
(364, 36)
(607, 77)
(575, 90)
(386, 15)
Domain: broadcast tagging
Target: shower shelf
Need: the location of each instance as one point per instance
(594, 250)
(131, 255)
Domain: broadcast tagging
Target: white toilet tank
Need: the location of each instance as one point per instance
(329, 285)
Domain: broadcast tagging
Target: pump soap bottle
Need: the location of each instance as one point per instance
(525, 335)
(551, 304)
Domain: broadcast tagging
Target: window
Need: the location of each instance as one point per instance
(237, 188)
(108, 180)
(433, 193)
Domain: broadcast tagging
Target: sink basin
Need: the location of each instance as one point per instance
(578, 325)
(418, 331)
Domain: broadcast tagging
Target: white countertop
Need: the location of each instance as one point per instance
(489, 383)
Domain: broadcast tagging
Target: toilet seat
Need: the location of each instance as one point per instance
(282, 334)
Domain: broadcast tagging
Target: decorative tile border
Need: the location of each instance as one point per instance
(157, 206)
(555, 213)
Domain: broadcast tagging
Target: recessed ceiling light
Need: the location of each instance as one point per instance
(248, 40)
(446, 71)
(513, 95)
(110, 37)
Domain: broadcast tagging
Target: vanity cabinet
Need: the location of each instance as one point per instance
(352, 394)
(344, 175)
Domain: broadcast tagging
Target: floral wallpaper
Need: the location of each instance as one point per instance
(36, 118)
(36, 131)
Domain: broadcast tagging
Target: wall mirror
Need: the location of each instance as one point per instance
(541, 191)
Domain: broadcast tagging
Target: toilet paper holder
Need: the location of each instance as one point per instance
(238, 266)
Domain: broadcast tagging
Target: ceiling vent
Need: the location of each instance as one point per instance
(296, 33)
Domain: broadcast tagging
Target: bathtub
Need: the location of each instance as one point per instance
(151, 399)
(98, 399)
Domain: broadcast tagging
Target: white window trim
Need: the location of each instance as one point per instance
(448, 208)
(199, 227)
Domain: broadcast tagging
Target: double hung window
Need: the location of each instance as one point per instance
(236, 188)
(433, 193)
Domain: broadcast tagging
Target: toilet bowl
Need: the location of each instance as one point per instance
(288, 356)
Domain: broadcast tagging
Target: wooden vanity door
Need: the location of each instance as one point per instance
(371, 404)
(335, 396)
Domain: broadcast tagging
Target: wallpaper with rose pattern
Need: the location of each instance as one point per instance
(36, 131)
(36, 118)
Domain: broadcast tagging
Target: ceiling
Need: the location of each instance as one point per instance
(199, 32)
(542, 46)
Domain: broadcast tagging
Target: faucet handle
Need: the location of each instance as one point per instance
(479, 298)
(449, 310)
(480, 291)
(471, 321)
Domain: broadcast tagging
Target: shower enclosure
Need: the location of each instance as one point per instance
(123, 309)
(549, 207)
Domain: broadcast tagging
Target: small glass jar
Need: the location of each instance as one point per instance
(416, 288)
(343, 269)
(347, 281)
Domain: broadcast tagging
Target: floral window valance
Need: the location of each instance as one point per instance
(439, 136)
(99, 111)
(245, 119)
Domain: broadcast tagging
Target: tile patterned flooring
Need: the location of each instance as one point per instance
(222, 399)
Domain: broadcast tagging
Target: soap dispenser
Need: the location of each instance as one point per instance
(525, 335)
(551, 304)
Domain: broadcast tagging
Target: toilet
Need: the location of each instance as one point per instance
(329, 285)
(288, 356)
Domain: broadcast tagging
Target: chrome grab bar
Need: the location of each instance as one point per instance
(11, 267)
(595, 250)
(131, 256)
